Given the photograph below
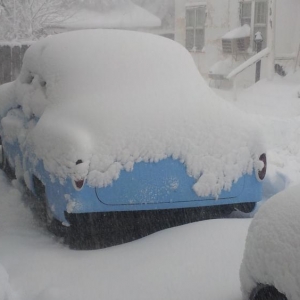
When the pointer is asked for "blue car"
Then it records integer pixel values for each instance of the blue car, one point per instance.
(115, 128)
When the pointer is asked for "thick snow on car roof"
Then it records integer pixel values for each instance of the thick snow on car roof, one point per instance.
(114, 98)
(272, 253)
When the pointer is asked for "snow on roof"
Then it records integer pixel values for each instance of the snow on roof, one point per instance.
(193, 4)
(272, 252)
(238, 33)
(114, 98)
(18, 43)
(129, 16)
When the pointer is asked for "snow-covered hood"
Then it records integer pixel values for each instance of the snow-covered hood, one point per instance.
(131, 97)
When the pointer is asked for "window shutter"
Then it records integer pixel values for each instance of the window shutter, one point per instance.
(189, 39)
(245, 11)
(195, 27)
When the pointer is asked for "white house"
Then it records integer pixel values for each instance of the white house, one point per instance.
(212, 30)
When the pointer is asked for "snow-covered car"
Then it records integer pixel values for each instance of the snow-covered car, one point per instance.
(108, 125)
(271, 265)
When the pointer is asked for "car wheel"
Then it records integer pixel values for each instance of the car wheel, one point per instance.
(245, 207)
(266, 292)
(1, 155)
(5, 166)
(43, 210)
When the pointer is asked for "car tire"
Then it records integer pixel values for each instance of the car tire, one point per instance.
(245, 207)
(5, 166)
(266, 292)
(43, 211)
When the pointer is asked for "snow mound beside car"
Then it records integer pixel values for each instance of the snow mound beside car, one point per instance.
(272, 253)
(114, 98)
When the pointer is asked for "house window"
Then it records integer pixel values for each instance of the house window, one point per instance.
(195, 28)
(246, 13)
(258, 21)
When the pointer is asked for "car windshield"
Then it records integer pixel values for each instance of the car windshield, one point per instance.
(149, 149)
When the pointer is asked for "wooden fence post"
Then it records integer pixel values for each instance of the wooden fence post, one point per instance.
(16, 62)
(11, 57)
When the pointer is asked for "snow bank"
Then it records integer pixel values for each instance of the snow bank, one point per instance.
(178, 263)
(275, 107)
(114, 98)
(272, 254)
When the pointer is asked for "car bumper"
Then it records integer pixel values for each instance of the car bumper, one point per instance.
(100, 230)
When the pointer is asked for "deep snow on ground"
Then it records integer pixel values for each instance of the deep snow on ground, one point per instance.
(195, 261)
(275, 106)
(188, 262)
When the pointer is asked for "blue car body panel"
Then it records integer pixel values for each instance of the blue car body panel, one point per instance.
(164, 182)
(149, 186)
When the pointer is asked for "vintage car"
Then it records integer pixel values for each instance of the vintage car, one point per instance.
(115, 127)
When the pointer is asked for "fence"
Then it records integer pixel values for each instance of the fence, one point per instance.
(11, 56)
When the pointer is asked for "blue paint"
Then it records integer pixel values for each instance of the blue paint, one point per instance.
(164, 182)
(150, 186)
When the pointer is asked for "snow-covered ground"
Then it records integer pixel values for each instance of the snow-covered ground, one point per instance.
(195, 261)
(275, 105)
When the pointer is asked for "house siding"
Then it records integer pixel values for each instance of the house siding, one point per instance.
(287, 26)
(223, 16)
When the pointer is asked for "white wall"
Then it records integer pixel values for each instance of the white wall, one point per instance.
(223, 16)
(287, 26)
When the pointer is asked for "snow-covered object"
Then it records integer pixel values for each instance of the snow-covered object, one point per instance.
(258, 37)
(114, 98)
(272, 254)
(252, 60)
(238, 33)
(222, 67)
(126, 16)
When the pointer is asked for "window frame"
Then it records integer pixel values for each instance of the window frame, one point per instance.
(243, 17)
(257, 23)
(196, 25)
(261, 26)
